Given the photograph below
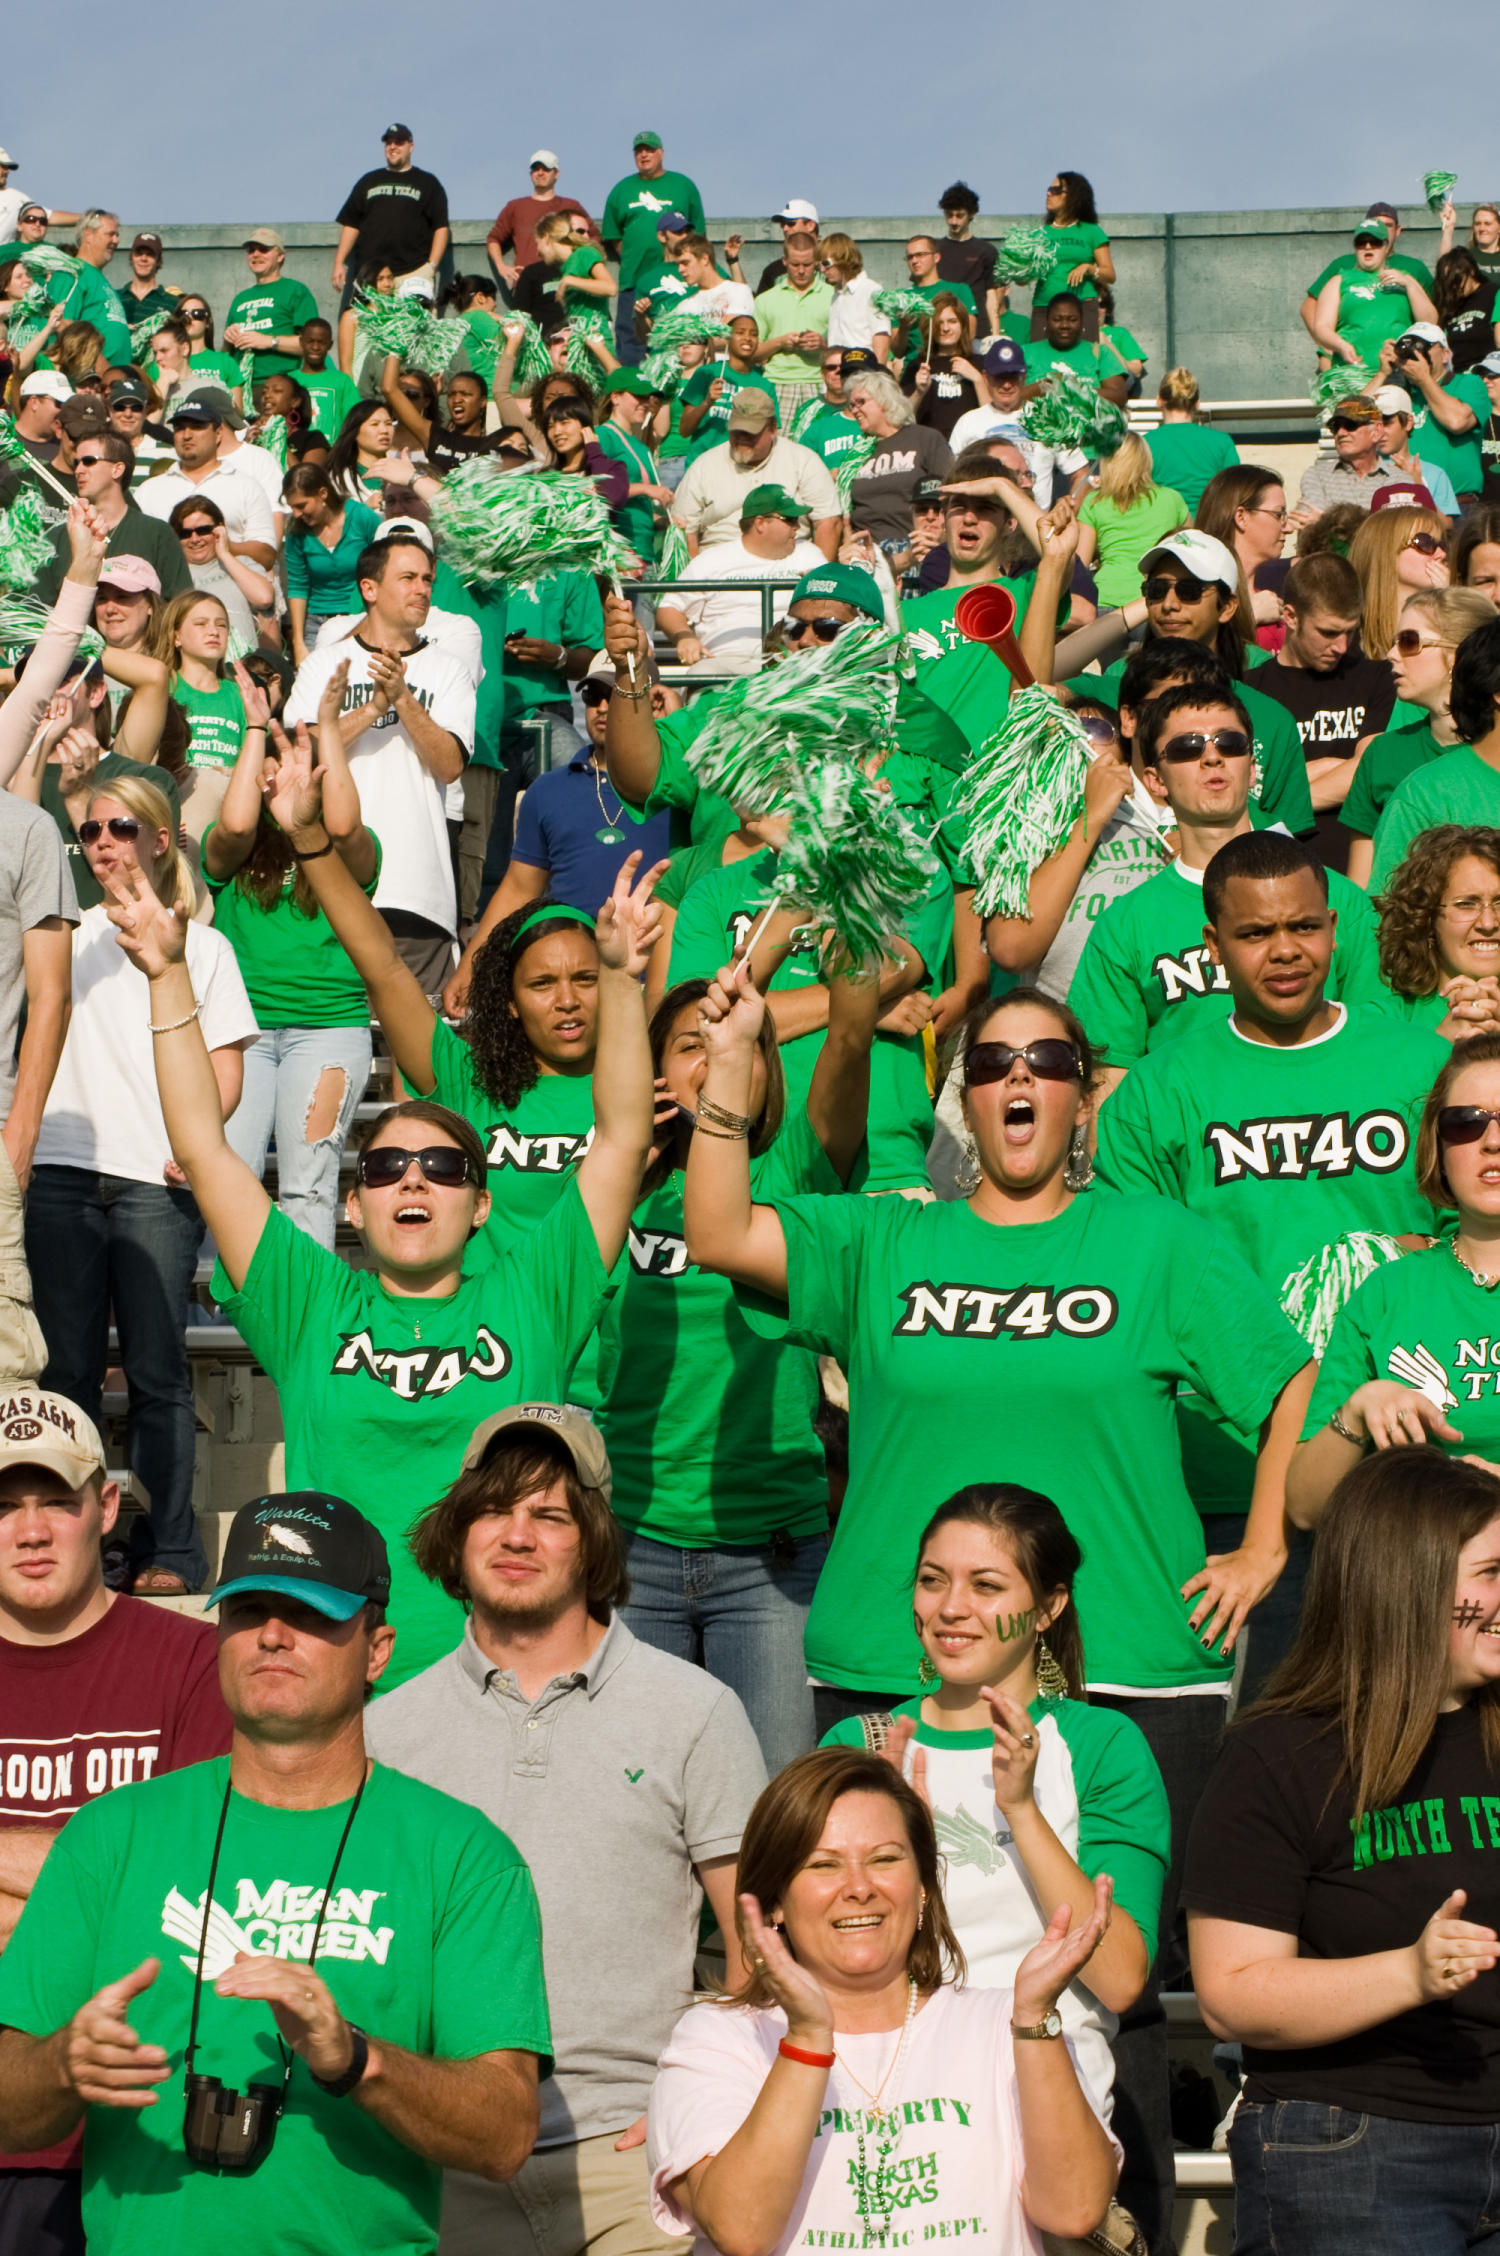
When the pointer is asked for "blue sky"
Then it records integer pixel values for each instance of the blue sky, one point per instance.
(270, 112)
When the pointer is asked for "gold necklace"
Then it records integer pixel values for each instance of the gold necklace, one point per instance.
(1486, 1284)
(874, 2096)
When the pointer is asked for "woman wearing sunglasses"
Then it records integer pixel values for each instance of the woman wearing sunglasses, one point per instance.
(1464, 785)
(110, 1222)
(217, 571)
(384, 1372)
(1395, 552)
(1431, 625)
(208, 365)
(1398, 1369)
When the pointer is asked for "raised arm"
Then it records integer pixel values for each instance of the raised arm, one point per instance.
(838, 1096)
(1056, 536)
(400, 406)
(232, 838)
(1018, 943)
(23, 710)
(724, 1228)
(150, 683)
(609, 1176)
(632, 749)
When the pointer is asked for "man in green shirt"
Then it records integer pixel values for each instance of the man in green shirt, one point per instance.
(283, 1987)
(632, 211)
(792, 317)
(86, 296)
(1062, 342)
(1463, 786)
(922, 264)
(267, 317)
(708, 394)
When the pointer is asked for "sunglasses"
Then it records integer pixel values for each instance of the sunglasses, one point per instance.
(1409, 642)
(385, 1164)
(197, 532)
(1233, 743)
(87, 461)
(825, 629)
(1051, 1059)
(1189, 590)
(1426, 544)
(127, 407)
(1464, 1124)
(1097, 729)
(194, 313)
(118, 826)
(1352, 422)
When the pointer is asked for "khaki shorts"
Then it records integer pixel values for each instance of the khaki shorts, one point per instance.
(23, 1351)
(565, 2200)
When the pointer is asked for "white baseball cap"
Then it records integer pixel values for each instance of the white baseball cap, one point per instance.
(1199, 553)
(1391, 400)
(47, 383)
(797, 207)
(406, 528)
(8, 161)
(1428, 331)
(547, 157)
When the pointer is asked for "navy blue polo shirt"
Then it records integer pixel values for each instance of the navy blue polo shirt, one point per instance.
(571, 825)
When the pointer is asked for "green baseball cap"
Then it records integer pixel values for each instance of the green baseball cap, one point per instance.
(646, 141)
(627, 380)
(771, 501)
(1372, 230)
(842, 583)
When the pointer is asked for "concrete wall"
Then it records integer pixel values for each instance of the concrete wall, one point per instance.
(1215, 291)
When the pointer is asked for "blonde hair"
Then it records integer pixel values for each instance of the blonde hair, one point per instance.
(170, 876)
(1178, 389)
(1375, 553)
(1126, 477)
(843, 252)
(1454, 611)
(161, 642)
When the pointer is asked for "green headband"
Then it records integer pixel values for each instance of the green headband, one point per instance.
(553, 912)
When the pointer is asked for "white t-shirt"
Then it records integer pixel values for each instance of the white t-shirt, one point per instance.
(260, 463)
(981, 423)
(955, 2173)
(450, 631)
(238, 493)
(400, 799)
(1128, 850)
(727, 625)
(722, 302)
(854, 318)
(103, 1111)
(13, 202)
(711, 498)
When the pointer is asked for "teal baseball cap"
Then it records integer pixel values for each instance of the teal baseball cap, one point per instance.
(309, 1546)
(842, 583)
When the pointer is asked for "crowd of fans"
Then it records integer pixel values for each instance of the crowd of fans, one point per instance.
(908, 1494)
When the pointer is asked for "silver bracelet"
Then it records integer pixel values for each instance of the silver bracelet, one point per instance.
(176, 1022)
(1337, 1423)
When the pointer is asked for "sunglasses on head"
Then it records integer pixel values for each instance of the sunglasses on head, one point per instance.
(1189, 589)
(1051, 1059)
(1192, 744)
(383, 1165)
(1464, 1124)
(118, 826)
(1426, 544)
(825, 629)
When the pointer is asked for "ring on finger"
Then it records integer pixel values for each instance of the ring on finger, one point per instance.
(1028, 1738)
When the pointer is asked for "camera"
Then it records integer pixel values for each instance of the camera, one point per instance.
(1410, 348)
(230, 2131)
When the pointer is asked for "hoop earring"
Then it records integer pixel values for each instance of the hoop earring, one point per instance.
(969, 1174)
(1078, 1171)
(1050, 1681)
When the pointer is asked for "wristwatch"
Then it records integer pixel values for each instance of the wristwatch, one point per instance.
(341, 2086)
(1050, 2025)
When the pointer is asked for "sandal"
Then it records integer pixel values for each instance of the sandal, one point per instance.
(158, 1582)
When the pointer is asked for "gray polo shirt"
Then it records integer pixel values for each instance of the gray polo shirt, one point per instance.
(34, 885)
(613, 1783)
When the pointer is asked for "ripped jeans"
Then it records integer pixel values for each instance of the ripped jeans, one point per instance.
(284, 1097)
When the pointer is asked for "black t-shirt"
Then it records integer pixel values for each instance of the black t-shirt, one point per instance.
(1471, 331)
(535, 293)
(971, 262)
(945, 399)
(1333, 710)
(1271, 1847)
(770, 274)
(397, 214)
(447, 449)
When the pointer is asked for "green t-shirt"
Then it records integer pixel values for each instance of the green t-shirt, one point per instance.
(714, 427)
(1282, 794)
(532, 1147)
(1346, 263)
(1116, 346)
(1456, 787)
(717, 915)
(1393, 756)
(564, 609)
(636, 517)
(216, 722)
(965, 679)
(829, 435)
(223, 367)
(1424, 1322)
(432, 1941)
(633, 211)
(489, 608)
(1186, 455)
(959, 290)
(1463, 456)
(1075, 245)
(1126, 535)
(1145, 977)
(1371, 312)
(279, 309)
(1068, 1339)
(332, 394)
(295, 970)
(582, 261)
(380, 1392)
(709, 1425)
(87, 296)
(1042, 358)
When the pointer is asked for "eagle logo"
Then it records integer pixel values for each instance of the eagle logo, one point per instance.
(1422, 1370)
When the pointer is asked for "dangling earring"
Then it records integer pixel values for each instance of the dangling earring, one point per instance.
(969, 1174)
(921, 1911)
(1078, 1173)
(1050, 1681)
(927, 1674)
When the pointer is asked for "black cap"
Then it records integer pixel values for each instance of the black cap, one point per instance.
(308, 1546)
(857, 356)
(129, 388)
(925, 491)
(397, 133)
(194, 409)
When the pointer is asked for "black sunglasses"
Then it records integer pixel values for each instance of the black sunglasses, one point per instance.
(825, 629)
(192, 532)
(1193, 743)
(1189, 589)
(194, 313)
(119, 826)
(87, 461)
(1464, 1124)
(385, 1164)
(1351, 422)
(1051, 1059)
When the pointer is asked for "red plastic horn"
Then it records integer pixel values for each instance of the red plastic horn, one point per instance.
(988, 615)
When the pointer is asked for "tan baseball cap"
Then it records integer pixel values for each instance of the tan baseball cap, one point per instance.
(751, 409)
(572, 1428)
(37, 1428)
(264, 239)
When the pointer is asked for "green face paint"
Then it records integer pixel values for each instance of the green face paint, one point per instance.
(1008, 1627)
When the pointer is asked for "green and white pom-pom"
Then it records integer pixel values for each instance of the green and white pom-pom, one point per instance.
(515, 528)
(247, 382)
(850, 465)
(661, 368)
(672, 558)
(837, 699)
(424, 340)
(1020, 797)
(533, 362)
(1312, 1296)
(26, 531)
(805, 415)
(852, 860)
(22, 621)
(142, 332)
(1073, 412)
(1437, 187)
(902, 305)
(1342, 381)
(1025, 255)
(586, 322)
(272, 436)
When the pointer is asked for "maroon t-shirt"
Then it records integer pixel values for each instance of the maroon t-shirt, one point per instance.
(518, 223)
(136, 1694)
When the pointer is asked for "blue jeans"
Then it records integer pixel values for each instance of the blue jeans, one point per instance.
(282, 1073)
(739, 1614)
(1315, 2180)
(96, 1242)
(629, 350)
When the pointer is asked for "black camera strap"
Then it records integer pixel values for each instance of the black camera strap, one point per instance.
(208, 1904)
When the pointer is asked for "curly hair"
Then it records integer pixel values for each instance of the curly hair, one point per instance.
(1409, 959)
(504, 1062)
